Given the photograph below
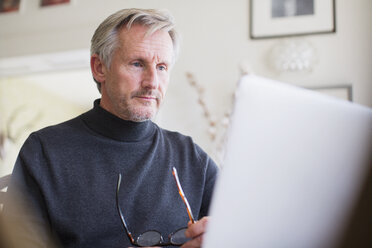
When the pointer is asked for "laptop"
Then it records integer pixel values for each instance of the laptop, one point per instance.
(297, 171)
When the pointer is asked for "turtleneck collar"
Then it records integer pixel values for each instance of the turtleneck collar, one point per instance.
(111, 126)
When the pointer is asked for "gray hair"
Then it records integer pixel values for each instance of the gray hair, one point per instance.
(105, 39)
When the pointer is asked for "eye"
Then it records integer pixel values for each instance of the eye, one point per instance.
(137, 64)
(162, 67)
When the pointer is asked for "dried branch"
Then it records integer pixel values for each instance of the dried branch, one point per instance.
(214, 127)
(212, 130)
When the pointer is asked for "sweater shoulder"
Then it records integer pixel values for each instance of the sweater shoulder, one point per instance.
(62, 127)
(177, 139)
(57, 134)
(174, 135)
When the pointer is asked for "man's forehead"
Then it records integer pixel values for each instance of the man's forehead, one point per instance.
(138, 40)
(141, 33)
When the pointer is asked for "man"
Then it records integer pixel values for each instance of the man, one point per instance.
(68, 174)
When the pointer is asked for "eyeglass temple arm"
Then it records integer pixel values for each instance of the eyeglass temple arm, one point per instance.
(180, 191)
(120, 213)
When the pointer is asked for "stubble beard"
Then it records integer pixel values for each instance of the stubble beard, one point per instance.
(137, 111)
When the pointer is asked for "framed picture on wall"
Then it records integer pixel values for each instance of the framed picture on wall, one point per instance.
(283, 18)
(53, 2)
(344, 92)
(7, 6)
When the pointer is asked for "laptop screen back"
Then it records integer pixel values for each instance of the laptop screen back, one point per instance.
(296, 163)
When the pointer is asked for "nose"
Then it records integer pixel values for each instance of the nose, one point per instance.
(150, 78)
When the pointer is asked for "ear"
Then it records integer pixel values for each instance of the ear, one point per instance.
(98, 68)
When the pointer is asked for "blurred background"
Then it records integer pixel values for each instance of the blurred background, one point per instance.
(44, 59)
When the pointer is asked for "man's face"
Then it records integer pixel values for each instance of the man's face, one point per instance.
(134, 86)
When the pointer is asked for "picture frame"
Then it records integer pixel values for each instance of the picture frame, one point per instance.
(10, 6)
(45, 3)
(344, 92)
(285, 18)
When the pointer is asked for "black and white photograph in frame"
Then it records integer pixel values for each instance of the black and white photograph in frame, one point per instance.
(282, 18)
(286, 8)
(342, 91)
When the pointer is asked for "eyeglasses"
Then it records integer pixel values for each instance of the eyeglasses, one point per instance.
(153, 237)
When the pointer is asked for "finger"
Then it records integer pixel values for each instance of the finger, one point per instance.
(197, 229)
(194, 243)
(146, 247)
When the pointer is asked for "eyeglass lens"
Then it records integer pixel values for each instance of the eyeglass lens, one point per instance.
(178, 237)
(151, 238)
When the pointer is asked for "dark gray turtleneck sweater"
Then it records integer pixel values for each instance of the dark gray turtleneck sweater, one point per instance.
(68, 174)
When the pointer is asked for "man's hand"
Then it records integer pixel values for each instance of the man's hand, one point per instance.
(196, 231)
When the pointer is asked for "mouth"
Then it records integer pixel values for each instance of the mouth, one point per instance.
(148, 98)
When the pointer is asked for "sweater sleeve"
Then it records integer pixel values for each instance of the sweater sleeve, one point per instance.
(210, 179)
(25, 212)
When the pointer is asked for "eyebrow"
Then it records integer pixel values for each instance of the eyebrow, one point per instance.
(144, 60)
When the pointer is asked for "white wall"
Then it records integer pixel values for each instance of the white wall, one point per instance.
(215, 42)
